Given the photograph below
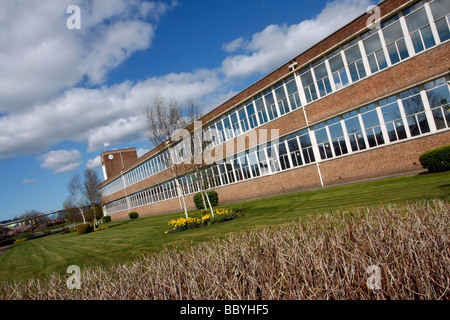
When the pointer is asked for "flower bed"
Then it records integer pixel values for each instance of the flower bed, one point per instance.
(202, 218)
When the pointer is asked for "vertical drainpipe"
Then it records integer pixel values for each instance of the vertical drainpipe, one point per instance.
(125, 190)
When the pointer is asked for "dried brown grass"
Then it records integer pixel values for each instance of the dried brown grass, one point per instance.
(323, 257)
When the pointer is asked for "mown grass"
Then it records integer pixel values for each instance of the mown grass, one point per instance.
(126, 240)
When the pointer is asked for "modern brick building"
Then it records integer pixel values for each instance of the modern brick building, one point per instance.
(363, 103)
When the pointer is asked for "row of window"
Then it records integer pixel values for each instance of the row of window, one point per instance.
(405, 34)
(411, 113)
(146, 169)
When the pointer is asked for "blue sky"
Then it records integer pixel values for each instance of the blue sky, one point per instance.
(64, 93)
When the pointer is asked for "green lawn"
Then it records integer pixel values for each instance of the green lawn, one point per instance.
(125, 240)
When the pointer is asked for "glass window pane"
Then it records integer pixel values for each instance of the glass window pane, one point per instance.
(307, 79)
(427, 37)
(439, 96)
(372, 44)
(416, 20)
(352, 54)
(401, 45)
(336, 63)
(443, 29)
(320, 71)
(417, 42)
(393, 32)
(440, 8)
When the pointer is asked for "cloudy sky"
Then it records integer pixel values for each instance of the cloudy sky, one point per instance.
(64, 92)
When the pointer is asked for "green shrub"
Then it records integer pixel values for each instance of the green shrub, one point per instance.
(84, 228)
(133, 215)
(213, 198)
(436, 160)
(106, 219)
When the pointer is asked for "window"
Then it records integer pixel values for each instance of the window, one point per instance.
(395, 42)
(270, 103)
(272, 157)
(253, 163)
(374, 51)
(244, 165)
(294, 150)
(261, 109)
(339, 74)
(229, 169)
(223, 173)
(372, 125)
(292, 92)
(235, 124)
(337, 136)
(354, 131)
(216, 175)
(441, 10)
(323, 82)
(237, 169)
(354, 61)
(419, 29)
(415, 112)
(243, 119)
(251, 114)
(283, 155)
(281, 98)
(439, 99)
(227, 127)
(306, 145)
(207, 142)
(393, 119)
(308, 86)
(263, 163)
(323, 142)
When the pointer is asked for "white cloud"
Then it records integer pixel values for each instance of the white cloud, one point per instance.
(114, 114)
(124, 129)
(114, 45)
(28, 181)
(94, 163)
(277, 44)
(40, 57)
(234, 45)
(61, 161)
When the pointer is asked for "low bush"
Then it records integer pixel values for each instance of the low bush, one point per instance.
(213, 198)
(106, 219)
(436, 160)
(133, 215)
(84, 228)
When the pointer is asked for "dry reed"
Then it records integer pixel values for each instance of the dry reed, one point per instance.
(325, 256)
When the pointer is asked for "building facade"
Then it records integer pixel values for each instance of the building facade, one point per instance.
(363, 103)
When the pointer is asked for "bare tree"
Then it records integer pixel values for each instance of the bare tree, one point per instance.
(194, 114)
(91, 191)
(71, 211)
(75, 188)
(164, 119)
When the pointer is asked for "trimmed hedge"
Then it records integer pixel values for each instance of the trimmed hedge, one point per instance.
(436, 160)
(106, 219)
(213, 198)
(133, 215)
